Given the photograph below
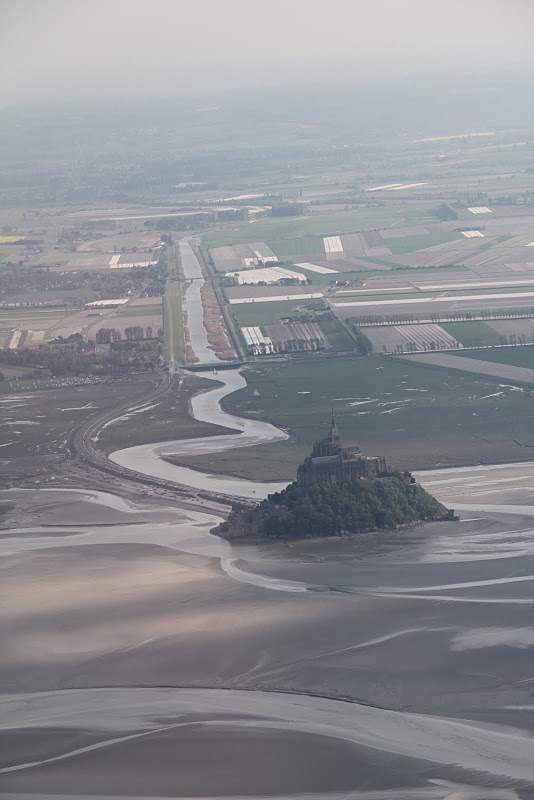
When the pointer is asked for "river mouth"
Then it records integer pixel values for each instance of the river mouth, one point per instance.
(394, 667)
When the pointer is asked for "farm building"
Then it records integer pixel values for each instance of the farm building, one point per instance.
(108, 303)
(242, 256)
(269, 276)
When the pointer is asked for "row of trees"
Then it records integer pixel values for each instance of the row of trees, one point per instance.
(364, 345)
(132, 333)
(441, 344)
(289, 346)
(198, 220)
(453, 316)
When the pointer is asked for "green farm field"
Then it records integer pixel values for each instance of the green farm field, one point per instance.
(471, 333)
(311, 245)
(261, 315)
(337, 335)
(416, 415)
(250, 314)
(140, 311)
(52, 257)
(515, 356)
(368, 218)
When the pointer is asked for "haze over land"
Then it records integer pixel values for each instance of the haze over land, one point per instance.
(219, 221)
(59, 51)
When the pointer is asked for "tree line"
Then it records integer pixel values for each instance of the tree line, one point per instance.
(75, 357)
(364, 345)
(453, 316)
(132, 333)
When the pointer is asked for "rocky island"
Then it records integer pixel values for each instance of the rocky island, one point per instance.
(338, 491)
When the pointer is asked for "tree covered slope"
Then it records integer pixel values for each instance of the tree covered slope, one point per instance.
(323, 510)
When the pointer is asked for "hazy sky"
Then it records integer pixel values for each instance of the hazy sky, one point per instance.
(62, 50)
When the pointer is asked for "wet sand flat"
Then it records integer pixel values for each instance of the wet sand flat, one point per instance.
(208, 761)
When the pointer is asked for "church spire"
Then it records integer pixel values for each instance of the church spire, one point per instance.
(334, 433)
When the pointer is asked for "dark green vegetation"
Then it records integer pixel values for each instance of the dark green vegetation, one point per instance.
(247, 314)
(283, 248)
(131, 333)
(445, 212)
(364, 345)
(148, 310)
(519, 356)
(192, 222)
(337, 335)
(75, 357)
(472, 334)
(524, 312)
(417, 416)
(364, 505)
(84, 285)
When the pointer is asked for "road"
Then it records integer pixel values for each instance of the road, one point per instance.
(173, 320)
(478, 366)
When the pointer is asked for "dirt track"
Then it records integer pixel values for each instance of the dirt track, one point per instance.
(504, 371)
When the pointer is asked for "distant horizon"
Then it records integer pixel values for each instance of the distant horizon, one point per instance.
(344, 111)
(55, 51)
(492, 78)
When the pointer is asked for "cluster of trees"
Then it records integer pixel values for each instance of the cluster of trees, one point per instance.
(364, 345)
(132, 333)
(147, 281)
(485, 199)
(323, 510)
(514, 339)
(288, 209)
(199, 220)
(445, 212)
(77, 358)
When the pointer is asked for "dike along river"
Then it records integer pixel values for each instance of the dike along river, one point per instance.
(146, 658)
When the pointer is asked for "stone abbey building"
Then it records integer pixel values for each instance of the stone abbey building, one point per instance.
(331, 463)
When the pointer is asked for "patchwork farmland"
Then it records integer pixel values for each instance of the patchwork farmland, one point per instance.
(242, 256)
(497, 242)
(411, 338)
(431, 274)
(32, 327)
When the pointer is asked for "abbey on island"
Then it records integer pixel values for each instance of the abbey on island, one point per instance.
(330, 462)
